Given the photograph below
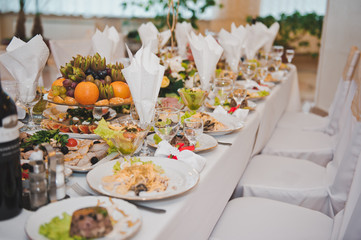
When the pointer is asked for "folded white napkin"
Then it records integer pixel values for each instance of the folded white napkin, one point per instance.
(109, 44)
(64, 50)
(188, 157)
(182, 30)
(271, 34)
(206, 52)
(150, 35)
(232, 48)
(26, 61)
(240, 33)
(144, 76)
(255, 39)
(240, 114)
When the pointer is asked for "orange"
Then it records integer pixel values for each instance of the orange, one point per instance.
(86, 93)
(58, 82)
(121, 89)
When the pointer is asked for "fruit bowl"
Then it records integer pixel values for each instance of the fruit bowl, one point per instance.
(193, 98)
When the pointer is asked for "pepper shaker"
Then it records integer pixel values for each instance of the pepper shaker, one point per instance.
(38, 184)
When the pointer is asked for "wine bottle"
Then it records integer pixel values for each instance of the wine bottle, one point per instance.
(10, 169)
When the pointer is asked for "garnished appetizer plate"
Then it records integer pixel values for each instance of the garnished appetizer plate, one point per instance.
(56, 218)
(205, 142)
(165, 178)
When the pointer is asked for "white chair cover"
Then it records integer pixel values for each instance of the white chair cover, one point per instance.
(302, 182)
(259, 219)
(312, 122)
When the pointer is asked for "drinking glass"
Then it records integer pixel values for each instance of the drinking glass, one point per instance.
(167, 122)
(277, 51)
(193, 129)
(222, 88)
(290, 53)
(239, 93)
(130, 136)
(134, 115)
(193, 98)
(248, 69)
(263, 72)
(28, 96)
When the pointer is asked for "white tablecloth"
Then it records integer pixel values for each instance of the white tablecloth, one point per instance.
(194, 214)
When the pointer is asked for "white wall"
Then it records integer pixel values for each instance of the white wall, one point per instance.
(341, 30)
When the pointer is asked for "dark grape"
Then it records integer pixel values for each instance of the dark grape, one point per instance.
(67, 82)
(73, 85)
(95, 142)
(102, 74)
(70, 93)
(64, 149)
(89, 71)
(109, 71)
(95, 76)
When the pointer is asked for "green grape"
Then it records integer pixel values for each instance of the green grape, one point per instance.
(63, 96)
(62, 90)
(54, 87)
(56, 92)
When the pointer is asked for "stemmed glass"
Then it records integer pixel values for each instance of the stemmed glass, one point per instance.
(277, 52)
(248, 69)
(134, 115)
(28, 96)
(130, 136)
(193, 129)
(222, 88)
(239, 92)
(193, 98)
(290, 53)
(167, 122)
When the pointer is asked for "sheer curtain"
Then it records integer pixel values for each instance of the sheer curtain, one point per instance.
(276, 7)
(94, 8)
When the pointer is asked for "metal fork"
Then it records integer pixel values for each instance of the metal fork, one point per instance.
(82, 192)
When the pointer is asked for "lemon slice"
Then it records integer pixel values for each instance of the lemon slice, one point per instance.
(165, 82)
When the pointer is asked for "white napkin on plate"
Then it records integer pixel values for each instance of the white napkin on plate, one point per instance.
(240, 114)
(255, 39)
(150, 35)
(182, 30)
(271, 34)
(232, 48)
(144, 76)
(109, 44)
(188, 157)
(26, 61)
(206, 52)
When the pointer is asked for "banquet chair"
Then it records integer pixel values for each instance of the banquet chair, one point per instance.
(315, 146)
(305, 183)
(329, 124)
(259, 218)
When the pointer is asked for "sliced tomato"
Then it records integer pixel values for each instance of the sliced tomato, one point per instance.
(84, 128)
(64, 129)
(72, 142)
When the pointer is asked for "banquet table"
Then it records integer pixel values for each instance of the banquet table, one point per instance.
(193, 214)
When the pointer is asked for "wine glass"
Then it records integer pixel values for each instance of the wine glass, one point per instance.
(239, 92)
(193, 129)
(263, 72)
(222, 88)
(277, 51)
(167, 122)
(28, 95)
(134, 115)
(290, 53)
(248, 69)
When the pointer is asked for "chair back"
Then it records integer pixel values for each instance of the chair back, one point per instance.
(341, 170)
(335, 122)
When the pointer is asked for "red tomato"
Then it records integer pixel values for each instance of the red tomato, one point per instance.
(72, 142)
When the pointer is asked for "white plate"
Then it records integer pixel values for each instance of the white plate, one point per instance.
(182, 178)
(46, 213)
(206, 142)
(61, 108)
(251, 105)
(87, 169)
(232, 124)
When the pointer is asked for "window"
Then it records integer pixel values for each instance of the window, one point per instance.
(277, 7)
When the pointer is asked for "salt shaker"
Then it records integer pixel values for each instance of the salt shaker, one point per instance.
(38, 184)
(60, 177)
